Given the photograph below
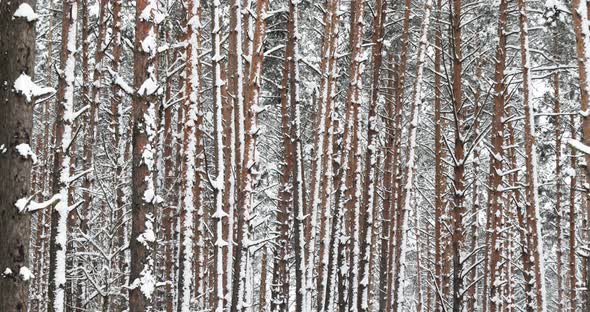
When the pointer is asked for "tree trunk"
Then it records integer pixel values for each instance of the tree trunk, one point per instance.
(17, 51)
(62, 159)
(144, 198)
(532, 209)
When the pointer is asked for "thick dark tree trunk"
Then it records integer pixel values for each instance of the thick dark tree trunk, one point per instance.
(17, 51)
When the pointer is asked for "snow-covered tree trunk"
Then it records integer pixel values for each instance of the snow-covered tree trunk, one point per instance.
(458, 209)
(370, 168)
(558, 201)
(119, 146)
(572, 273)
(247, 151)
(532, 206)
(61, 162)
(520, 217)
(496, 202)
(396, 235)
(17, 54)
(142, 278)
(582, 34)
(217, 183)
(280, 295)
(353, 177)
(415, 109)
(298, 164)
(324, 164)
(189, 188)
(236, 98)
(439, 155)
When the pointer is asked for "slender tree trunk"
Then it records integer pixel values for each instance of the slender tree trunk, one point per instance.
(248, 166)
(458, 209)
(439, 180)
(572, 224)
(61, 161)
(532, 209)
(298, 169)
(408, 179)
(221, 244)
(496, 209)
(370, 160)
(190, 190)
(558, 185)
(395, 234)
(327, 95)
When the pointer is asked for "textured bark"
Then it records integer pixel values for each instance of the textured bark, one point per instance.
(17, 51)
(143, 197)
(572, 224)
(386, 221)
(458, 209)
(61, 160)
(326, 99)
(471, 296)
(558, 185)
(297, 181)
(220, 216)
(190, 189)
(280, 296)
(532, 206)
(439, 179)
(497, 209)
(370, 169)
(248, 165)
(396, 235)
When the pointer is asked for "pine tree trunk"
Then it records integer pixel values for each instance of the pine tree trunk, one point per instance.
(496, 209)
(368, 191)
(572, 224)
(62, 159)
(248, 164)
(144, 198)
(532, 207)
(17, 51)
(458, 209)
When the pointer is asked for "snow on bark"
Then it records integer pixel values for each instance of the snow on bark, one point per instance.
(64, 138)
(323, 158)
(298, 183)
(142, 279)
(368, 190)
(25, 11)
(411, 148)
(353, 180)
(533, 214)
(218, 185)
(189, 188)
(25, 86)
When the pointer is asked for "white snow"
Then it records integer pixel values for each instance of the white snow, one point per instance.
(25, 86)
(25, 151)
(7, 272)
(579, 146)
(26, 11)
(25, 273)
(149, 87)
(148, 44)
(124, 85)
